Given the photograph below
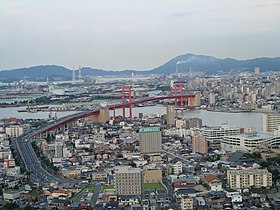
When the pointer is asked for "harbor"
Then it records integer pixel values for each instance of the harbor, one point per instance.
(50, 109)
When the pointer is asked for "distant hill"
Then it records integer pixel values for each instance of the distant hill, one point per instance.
(37, 73)
(200, 63)
(210, 64)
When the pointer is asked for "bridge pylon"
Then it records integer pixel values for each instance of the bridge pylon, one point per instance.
(177, 84)
(127, 90)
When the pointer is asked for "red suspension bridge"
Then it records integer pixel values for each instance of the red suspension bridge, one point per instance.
(183, 99)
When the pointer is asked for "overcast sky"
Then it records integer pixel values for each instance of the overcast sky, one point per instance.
(134, 34)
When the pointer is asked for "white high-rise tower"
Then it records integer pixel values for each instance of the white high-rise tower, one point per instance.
(80, 73)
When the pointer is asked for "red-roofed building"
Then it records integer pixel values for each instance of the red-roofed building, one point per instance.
(57, 193)
(182, 184)
(214, 182)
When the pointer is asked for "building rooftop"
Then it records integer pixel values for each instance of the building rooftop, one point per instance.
(149, 129)
(127, 169)
(248, 171)
(255, 135)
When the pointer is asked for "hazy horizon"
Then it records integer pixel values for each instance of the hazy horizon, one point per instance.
(77, 66)
(137, 35)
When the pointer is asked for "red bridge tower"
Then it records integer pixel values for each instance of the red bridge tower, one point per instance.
(127, 90)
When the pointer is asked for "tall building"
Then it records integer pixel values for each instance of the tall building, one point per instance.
(212, 98)
(257, 70)
(194, 102)
(129, 181)
(170, 115)
(58, 149)
(199, 143)
(102, 116)
(246, 178)
(271, 122)
(150, 141)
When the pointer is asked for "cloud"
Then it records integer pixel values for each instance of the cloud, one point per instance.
(182, 14)
(91, 31)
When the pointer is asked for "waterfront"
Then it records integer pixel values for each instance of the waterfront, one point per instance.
(13, 112)
(245, 119)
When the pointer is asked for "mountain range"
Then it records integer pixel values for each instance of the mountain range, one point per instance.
(201, 63)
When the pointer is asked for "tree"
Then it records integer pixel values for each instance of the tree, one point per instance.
(10, 206)
(265, 164)
(132, 164)
(206, 186)
(28, 207)
(48, 138)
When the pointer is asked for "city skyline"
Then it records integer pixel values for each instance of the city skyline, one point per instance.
(139, 35)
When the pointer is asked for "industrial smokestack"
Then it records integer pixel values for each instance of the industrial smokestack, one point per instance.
(73, 75)
(176, 70)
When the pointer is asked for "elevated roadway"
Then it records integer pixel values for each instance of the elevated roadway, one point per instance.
(32, 163)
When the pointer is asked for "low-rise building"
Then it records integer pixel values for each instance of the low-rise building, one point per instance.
(152, 176)
(100, 175)
(11, 195)
(215, 134)
(13, 171)
(14, 131)
(177, 167)
(214, 182)
(249, 141)
(186, 203)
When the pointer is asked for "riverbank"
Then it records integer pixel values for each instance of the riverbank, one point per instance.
(241, 111)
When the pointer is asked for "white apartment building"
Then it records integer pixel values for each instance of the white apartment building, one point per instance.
(271, 123)
(247, 142)
(177, 167)
(180, 132)
(14, 131)
(186, 203)
(13, 171)
(212, 98)
(180, 123)
(5, 153)
(216, 134)
(246, 178)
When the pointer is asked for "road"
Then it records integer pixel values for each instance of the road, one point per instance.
(32, 164)
(95, 195)
(184, 160)
(30, 160)
(88, 197)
